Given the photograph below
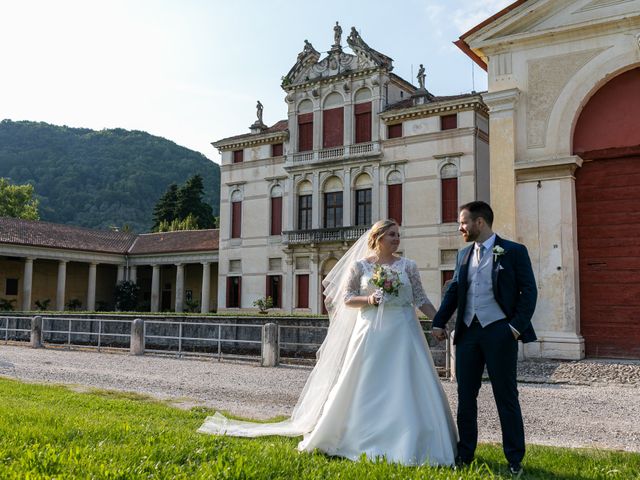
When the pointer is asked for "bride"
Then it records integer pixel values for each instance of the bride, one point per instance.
(374, 389)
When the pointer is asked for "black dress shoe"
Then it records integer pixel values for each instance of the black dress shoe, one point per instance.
(515, 469)
(463, 462)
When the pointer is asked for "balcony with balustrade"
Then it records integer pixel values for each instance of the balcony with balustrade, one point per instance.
(333, 154)
(323, 235)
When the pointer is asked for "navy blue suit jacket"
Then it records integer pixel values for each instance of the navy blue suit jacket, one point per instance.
(514, 288)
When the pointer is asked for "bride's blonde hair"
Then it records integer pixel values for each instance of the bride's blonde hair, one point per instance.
(379, 230)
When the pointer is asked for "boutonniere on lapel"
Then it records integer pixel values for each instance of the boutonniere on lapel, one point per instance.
(497, 251)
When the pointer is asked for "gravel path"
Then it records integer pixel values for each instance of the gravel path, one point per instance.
(563, 406)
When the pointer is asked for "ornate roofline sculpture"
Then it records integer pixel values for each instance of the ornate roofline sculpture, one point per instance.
(309, 67)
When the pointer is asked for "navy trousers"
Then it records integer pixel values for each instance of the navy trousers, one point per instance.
(495, 347)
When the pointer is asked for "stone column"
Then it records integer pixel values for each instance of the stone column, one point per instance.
(287, 289)
(179, 287)
(376, 198)
(502, 151)
(349, 121)
(206, 287)
(91, 287)
(155, 289)
(317, 126)
(347, 200)
(133, 274)
(120, 273)
(27, 284)
(62, 284)
(316, 220)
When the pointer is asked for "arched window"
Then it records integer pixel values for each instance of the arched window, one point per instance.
(363, 202)
(394, 196)
(305, 126)
(449, 192)
(276, 210)
(305, 202)
(332, 195)
(236, 214)
(362, 115)
(333, 121)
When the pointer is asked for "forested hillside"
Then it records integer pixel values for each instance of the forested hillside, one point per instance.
(99, 179)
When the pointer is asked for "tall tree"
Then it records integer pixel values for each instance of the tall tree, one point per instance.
(190, 203)
(17, 201)
(165, 209)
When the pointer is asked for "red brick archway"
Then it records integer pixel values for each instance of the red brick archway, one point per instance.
(607, 137)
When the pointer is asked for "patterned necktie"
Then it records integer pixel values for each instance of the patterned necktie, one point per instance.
(480, 252)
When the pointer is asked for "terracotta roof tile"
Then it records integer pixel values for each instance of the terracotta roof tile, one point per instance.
(180, 241)
(408, 102)
(55, 235)
(281, 126)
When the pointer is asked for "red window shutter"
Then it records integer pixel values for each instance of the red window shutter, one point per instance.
(229, 286)
(276, 150)
(239, 297)
(333, 127)
(303, 291)
(238, 156)
(236, 219)
(363, 122)
(448, 122)
(449, 200)
(305, 132)
(276, 215)
(394, 131)
(394, 200)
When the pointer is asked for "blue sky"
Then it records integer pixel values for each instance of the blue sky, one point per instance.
(192, 70)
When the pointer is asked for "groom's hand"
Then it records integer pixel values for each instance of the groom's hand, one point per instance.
(439, 333)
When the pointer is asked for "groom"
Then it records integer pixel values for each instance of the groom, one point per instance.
(495, 293)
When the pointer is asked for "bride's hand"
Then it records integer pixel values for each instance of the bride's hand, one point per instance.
(373, 299)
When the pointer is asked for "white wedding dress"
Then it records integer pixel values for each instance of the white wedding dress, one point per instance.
(385, 399)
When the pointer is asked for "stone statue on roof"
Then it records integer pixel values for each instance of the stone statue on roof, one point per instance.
(259, 109)
(421, 77)
(337, 35)
(359, 46)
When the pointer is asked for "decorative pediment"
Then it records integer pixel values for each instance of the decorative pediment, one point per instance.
(309, 67)
(538, 18)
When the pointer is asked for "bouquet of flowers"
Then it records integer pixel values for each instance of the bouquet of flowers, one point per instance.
(386, 280)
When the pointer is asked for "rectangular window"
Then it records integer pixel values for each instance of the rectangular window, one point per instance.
(447, 275)
(332, 209)
(363, 207)
(448, 122)
(363, 122)
(276, 150)
(394, 131)
(274, 290)
(234, 292)
(11, 287)
(449, 200)
(394, 202)
(238, 156)
(236, 219)
(276, 215)
(333, 127)
(304, 212)
(303, 291)
(305, 132)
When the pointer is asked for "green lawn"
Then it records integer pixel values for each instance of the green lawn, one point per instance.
(54, 432)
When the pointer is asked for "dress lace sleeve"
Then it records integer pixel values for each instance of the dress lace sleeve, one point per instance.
(419, 296)
(352, 285)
